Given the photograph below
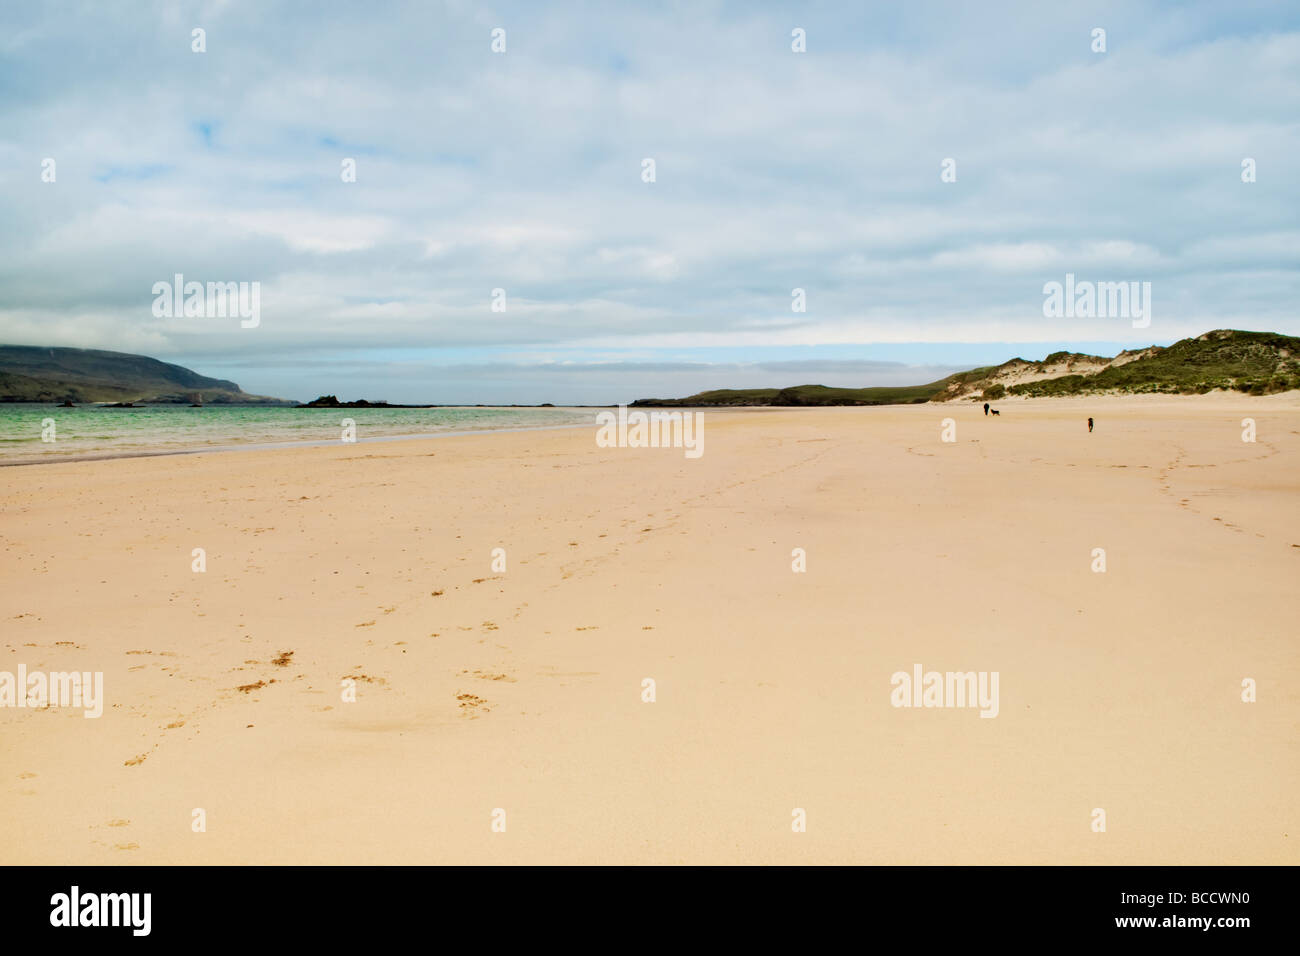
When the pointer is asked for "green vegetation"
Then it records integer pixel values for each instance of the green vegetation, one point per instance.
(802, 395)
(826, 395)
(718, 396)
(820, 394)
(1256, 362)
(33, 374)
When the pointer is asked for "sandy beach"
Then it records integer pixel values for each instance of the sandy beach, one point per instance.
(478, 690)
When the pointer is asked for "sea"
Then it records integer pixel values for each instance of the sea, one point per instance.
(33, 433)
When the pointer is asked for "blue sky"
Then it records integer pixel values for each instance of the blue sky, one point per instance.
(521, 170)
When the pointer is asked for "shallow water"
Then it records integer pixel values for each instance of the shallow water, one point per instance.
(92, 431)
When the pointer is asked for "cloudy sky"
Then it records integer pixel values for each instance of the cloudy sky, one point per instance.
(523, 171)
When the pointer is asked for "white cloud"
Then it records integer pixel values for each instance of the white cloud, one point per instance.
(522, 171)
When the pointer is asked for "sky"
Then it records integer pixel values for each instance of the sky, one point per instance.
(524, 171)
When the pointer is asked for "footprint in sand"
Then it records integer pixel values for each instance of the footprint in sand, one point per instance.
(485, 675)
(471, 705)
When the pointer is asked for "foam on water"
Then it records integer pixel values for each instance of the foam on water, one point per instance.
(91, 431)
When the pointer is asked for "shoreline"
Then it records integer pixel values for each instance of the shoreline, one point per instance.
(275, 446)
(1223, 399)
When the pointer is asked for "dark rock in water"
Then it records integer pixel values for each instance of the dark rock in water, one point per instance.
(331, 401)
(67, 404)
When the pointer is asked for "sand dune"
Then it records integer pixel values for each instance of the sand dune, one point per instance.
(522, 691)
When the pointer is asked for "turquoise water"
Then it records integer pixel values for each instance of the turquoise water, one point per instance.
(91, 431)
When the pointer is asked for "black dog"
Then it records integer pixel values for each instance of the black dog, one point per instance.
(994, 411)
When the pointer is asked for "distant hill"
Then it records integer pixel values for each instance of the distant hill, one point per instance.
(815, 395)
(1259, 363)
(1256, 362)
(36, 374)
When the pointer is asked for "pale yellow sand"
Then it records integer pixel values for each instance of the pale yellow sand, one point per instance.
(1119, 691)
